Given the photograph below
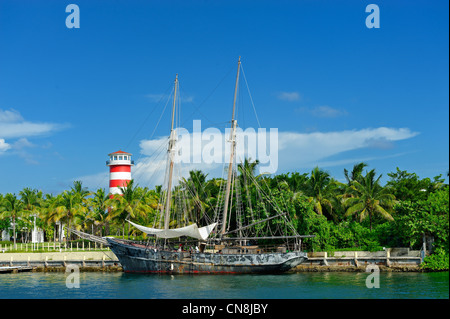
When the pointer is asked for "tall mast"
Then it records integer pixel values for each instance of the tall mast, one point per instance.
(233, 146)
(171, 151)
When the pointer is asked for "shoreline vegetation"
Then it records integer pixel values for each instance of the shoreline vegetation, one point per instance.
(359, 214)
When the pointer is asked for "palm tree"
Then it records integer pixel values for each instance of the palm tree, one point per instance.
(248, 167)
(214, 197)
(99, 208)
(297, 181)
(151, 197)
(356, 173)
(48, 212)
(12, 207)
(247, 172)
(247, 180)
(32, 200)
(129, 204)
(196, 187)
(81, 191)
(68, 206)
(369, 198)
(319, 189)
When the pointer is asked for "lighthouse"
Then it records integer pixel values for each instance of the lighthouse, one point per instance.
(119, 171)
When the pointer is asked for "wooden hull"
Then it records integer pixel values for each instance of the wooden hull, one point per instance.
(138, 259)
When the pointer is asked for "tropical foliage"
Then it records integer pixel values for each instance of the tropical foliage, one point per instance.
(367, 198)
(358, 212)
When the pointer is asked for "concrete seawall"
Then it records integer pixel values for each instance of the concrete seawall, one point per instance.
(392, 259)
(56, 260)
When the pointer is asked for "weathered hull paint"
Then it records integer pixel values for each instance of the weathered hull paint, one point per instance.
(135, 259)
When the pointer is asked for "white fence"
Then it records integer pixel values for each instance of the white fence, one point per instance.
(52, 246)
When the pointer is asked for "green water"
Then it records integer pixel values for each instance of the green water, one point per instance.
(332, 285)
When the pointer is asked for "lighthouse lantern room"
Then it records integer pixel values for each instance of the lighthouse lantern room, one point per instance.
(119, 171)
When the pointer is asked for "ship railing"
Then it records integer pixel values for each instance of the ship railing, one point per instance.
(255, 249)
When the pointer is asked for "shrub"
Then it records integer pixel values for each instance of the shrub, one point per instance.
(438, 261)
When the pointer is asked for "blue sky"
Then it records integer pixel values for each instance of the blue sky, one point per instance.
(337, 91)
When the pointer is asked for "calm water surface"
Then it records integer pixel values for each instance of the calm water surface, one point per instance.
(287, 286)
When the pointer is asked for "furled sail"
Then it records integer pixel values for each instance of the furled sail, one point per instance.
(201, 233)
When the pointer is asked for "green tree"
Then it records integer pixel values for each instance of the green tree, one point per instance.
(69, 207)
(12, 207)
(368, 198)
(129, 204)
(48, 215)
(247, 168)
(196, 186)
(319, 189)
(430, 217)
(32, 200)
(79, 190)
(310, 223)
(99, 208)
(356, 173)
(245, 186)
(408, 186)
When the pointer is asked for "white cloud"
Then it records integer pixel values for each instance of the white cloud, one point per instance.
(20, 148)
(295, 151)
(323, 111)
(4, 146)
(22, 143)
(298, 150)
(149, 172)
(10, 116)
(148, 147)
(14, 127)
(22, 129)
(289, 96)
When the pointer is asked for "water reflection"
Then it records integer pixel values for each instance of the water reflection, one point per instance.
(285, 286)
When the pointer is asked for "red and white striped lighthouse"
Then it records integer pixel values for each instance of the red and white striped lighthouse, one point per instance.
(119, 171)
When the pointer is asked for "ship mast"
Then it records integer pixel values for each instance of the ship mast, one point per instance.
(171, 151)
(233, 147)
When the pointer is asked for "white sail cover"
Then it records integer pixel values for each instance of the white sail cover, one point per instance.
(191, 231)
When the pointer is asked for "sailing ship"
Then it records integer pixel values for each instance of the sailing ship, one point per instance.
(218, 250)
